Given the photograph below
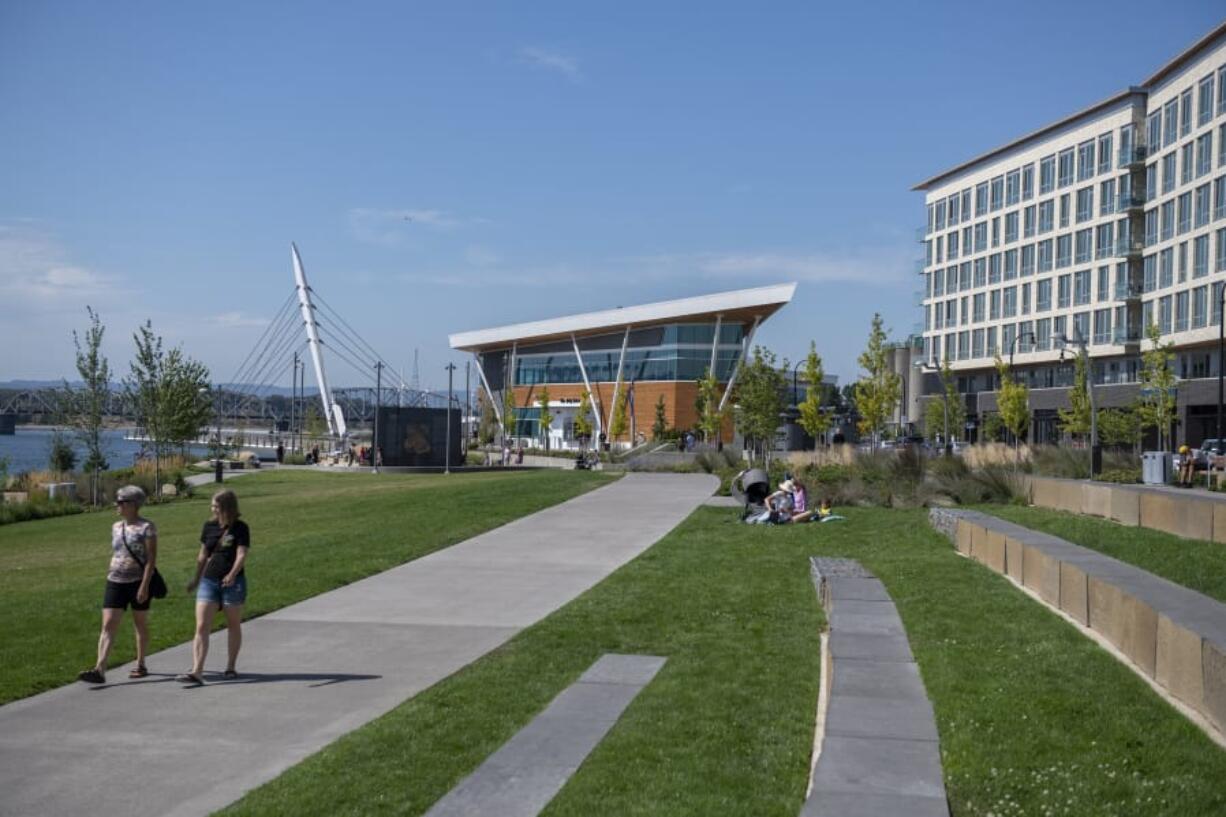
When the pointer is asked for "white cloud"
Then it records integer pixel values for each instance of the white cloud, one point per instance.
(389, 227)
(234, 320)
(36, 270)
(876, 266)
(552, 61)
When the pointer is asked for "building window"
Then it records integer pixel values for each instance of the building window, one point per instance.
(1202, 205)
(1181, 311)
(1170, 122)
(1010, 302)
(977, 343)
(1025, 299)
(981, 236)
(1185, 212)
(978, 308)
(1011, 227)
(951, 245)
(981, 272)
(1027, 182)
(1047, 175)
(1220, 265)
(1200, 256)
(966, 205)
(1168, 172)
(1151, 181)
(1028, 221)
(1047, 216)
(953, 209)
(1106, 198)
(1198, 306)
(1221, 90)
(939, 220)
(1042, 334)
(1164, 315)
(1042, 295)
(1204, 108)
(1064, 292)
(997, 193)
(1085, 161)
(1065, 161)
(994, 305)
(996, 232)
(1186, 152)
(1081, 326)
(1204, 154)
(1149, 276)
(1104, 153)
(1104, 284)
(990, 335)
(1085, 204)
(1064, 250)
(1104, 243)
(964, 275)
(1102, 326)
(994, 268)
(1085, 246)
(1028, 252)
(981, 199)
(1065, 215)
(1045, 255)
(1153, 127)
(1081, 288)
(1151, 228)
(1166, 268)
(1013, 185)
(1010, 264)
(1168, 220)
(1185, 113)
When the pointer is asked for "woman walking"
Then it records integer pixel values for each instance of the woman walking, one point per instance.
(220, 583)
(134, 543)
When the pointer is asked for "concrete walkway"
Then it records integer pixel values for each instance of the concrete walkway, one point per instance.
(318, 669)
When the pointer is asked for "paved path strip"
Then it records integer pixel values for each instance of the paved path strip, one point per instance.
(525, 774)
(1171, 635)
(879, 755)
(321, 668)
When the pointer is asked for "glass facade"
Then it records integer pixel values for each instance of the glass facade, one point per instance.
(673, 352)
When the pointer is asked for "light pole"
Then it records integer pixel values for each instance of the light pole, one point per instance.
(1013, 348)
(374, 441)
(1096, 452)
(1221, 358)
(450, 367)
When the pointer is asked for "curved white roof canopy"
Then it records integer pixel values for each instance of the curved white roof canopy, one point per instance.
(759, 301)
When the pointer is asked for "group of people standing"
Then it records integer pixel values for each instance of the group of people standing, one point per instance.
(220, 583)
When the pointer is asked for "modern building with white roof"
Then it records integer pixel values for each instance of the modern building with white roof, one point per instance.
(1088, 230)
(652, 351)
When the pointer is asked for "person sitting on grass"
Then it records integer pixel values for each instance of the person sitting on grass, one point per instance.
(825, 513)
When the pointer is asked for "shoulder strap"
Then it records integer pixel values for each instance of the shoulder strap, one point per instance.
(124, 530)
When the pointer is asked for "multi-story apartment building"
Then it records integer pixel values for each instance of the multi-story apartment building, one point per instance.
(1090, 228)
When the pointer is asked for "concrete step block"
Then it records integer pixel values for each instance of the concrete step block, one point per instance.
(864, 678)
(866, 717)
(1014, 556)
(1125, 505)
(1179, 662)
(1096, 499)
(1127, 622)
(963, 536)
(1214, 680)
(1041, 573)
(1074, 592)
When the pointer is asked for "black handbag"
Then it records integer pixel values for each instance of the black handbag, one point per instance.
(157, 585)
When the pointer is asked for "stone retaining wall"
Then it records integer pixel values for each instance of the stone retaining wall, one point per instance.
(1193, 515)
(1172, 635)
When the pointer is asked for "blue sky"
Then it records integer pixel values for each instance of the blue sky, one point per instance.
(454, 166)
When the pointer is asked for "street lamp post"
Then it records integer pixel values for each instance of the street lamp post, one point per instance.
(1013, 347)
(447, 463)
(374, 442)
(1221, 356)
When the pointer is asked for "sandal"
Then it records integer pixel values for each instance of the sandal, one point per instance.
(230, 675)
(189, 679)
(91, 676)
(139, 671)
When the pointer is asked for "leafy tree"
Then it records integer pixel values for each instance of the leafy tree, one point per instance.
(659, 428)
(1120, 427)
(759, 397)
(313, 421)
(84, 408)
(1013, 402)
(620, 421)
(878, 391)
(710, 417)
(992, 428)
(546, 419)
(583, 423)
(508, 412)
(934, 411)
(813, 420)
(1157, 401)
(1076, 419)
(168, 391)
(487, 429)
(60, 456)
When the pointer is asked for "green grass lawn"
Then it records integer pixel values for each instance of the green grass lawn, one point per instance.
(1193, 563)
(311, 532)
(1034, 718)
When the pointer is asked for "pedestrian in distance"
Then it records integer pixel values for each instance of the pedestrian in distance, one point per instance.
(220, 584)
(134, 542)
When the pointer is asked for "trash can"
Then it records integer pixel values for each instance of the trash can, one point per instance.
(1156, 467)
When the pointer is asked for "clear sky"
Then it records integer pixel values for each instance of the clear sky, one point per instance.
(454, 166)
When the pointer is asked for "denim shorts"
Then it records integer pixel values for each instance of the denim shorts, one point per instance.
(210, 591)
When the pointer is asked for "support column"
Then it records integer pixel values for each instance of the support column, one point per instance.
(715, 343)
(587, 385)
(617, 381)
(736, 369)
(488, 393)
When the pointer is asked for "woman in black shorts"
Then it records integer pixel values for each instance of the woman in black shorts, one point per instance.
(134, 540)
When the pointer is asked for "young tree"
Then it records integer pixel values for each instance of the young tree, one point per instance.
(813, 420)
(991, 427)
(1119, 427)
(168, 391)
(84, 408)
(934, 411)
(1013, 403)
(508, 412)
(1157, 401)
(313, 421)
(659, 428)
(583, 423)
(759, 398)
(545, 418)
(710, 418)
(620, 420)
(878, 391)
(60, 456)
(1075, 420)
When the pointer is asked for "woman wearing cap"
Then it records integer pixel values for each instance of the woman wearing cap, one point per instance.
(220, 584)
(1187, 466)
(134, 543)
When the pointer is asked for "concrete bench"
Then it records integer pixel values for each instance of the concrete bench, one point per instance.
(527, 772)
(1171, 635)
(879, 753)
(1189, 513)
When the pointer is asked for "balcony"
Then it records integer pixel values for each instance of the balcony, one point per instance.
(1127, 292)
(1126, 336)
(920, 266)
(1128, 248)
(921, 234)
(1136, 156)
(1129, 201)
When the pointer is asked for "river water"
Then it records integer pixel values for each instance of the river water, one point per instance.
(29, 449)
